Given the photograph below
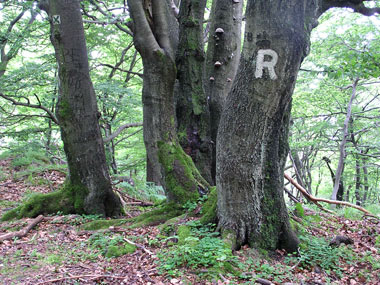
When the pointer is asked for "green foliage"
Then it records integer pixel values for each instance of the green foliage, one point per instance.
(374, 209)
(276, 272)
(300, 212)
(198, 246)
(110, 246)
(316, 252)
(147, 191)
(350, 213)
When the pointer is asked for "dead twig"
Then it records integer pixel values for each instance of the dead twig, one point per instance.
(139, 246)
(316, 200)
(23, 232)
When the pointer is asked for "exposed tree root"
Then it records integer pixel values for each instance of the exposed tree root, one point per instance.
(316, 200)
(22, 232)
(157, 216)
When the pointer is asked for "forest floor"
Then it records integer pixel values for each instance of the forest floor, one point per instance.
(59, 251)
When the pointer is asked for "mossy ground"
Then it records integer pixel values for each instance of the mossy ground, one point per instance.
(68, 200)
(119, 250)
(103, 224)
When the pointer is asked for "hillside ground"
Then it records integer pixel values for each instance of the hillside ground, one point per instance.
(61, 249)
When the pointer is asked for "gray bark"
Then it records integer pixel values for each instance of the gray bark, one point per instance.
(342, 151)
(224, 45)
(168, 164)
(77, 112)
(252, 137)
(192, 110)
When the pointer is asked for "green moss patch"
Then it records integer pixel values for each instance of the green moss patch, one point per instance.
(182, 178)
(102, 224)
(68, 200)
(119, 250)
(209, 214)
(157, 216)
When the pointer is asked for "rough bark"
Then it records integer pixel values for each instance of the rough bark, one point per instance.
(167, 162)
(252, 137)
(77, 113)
(224, 44)
(192, 110)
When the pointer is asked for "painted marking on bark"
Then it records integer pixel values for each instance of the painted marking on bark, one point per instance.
(261, 64)
(56, 19)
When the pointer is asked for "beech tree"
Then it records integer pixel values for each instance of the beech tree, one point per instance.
(252, 138)
(88, 187)
(156, 38)
(78, 114)
(253, 134)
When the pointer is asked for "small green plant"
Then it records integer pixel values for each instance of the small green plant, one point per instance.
(190, 206)
(110, 246)
(197, 247)
(317, 252)
(2, 175)
(54, 259)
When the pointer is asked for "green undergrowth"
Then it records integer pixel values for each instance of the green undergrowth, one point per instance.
(146, 191)
(315, 253)
(110, 245)
(30, 161)
(198, 247)
(68, 200)
(33, 170)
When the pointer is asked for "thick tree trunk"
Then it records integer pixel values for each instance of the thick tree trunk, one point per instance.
(224, 43)
(192, 110)
(169, 165)
(77, 113)
(252, 138)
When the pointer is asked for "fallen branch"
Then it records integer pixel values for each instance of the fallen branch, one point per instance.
(139, 246)
(316, 200)
(23, 232)
(263, 281)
